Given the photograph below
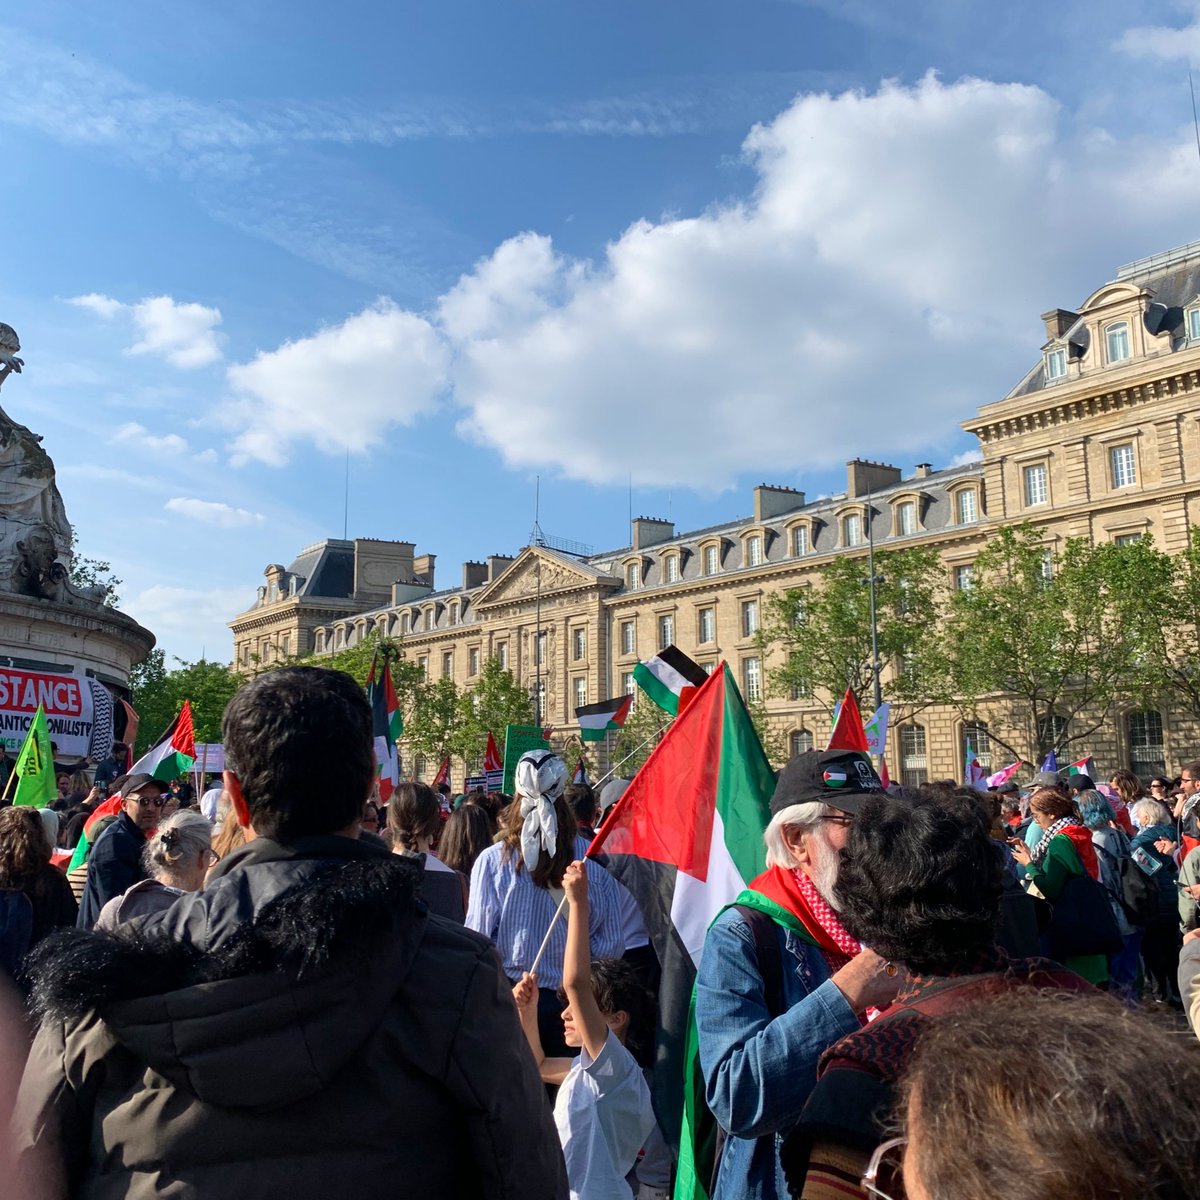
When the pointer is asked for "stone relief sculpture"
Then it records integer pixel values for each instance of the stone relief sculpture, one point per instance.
(35, 537)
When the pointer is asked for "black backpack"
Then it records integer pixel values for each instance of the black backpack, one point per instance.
(1137, 893)
(16, 930)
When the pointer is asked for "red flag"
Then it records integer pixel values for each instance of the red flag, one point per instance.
(848, 731)
(491, 758)
(443, 775)
(883, 774)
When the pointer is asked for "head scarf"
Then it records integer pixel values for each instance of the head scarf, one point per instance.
(539, 780)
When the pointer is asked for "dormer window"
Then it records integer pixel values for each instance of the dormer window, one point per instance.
(906, 518)
(671, 568)
(1193, 323)
(633, 575)
(754, 550)
(712, 559)
(852, 529)
(1116, 342)
(1056, 365)
(801, 543)
(966, 506)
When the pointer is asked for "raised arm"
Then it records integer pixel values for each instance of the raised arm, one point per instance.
(577, 964)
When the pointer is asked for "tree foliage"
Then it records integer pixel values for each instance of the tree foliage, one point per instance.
(643, 730)
(93, 572)
(496, 701)
(824, 631)
(1056, 638)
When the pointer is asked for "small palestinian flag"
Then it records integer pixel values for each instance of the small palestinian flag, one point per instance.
(1085, 766)
(493, 764)
(387, 724)
(670, 679)
(174, 754)
(595, 720)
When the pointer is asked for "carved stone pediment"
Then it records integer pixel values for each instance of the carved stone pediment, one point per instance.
(520, 581)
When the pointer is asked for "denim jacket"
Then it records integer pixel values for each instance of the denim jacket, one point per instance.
(758, 1072)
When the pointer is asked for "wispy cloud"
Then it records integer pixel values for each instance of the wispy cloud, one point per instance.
(138, 436)
(213, 512)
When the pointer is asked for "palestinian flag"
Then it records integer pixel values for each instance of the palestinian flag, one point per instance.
(106, 808)
(443, 775)
(848, 732)
(34, 768)
(595, 720)
(387, 724)
(174, 754)
(670, 679)
(493, 764)
(685, 838)
(1085, 766)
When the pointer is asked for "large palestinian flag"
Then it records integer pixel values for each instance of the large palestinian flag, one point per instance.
(595, 720)
(174, 754)
(387, 724)
(670, 679)
(686, 839)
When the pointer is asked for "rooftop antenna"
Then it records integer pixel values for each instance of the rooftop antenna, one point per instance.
(346, 500)
(537, 539)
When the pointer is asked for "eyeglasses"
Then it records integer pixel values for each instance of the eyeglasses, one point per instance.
(885, 1168)
(213, 857)
(837, 818)
(149, 801)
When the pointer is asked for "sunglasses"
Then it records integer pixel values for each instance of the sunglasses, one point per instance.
(883, 1178)
(148, 801)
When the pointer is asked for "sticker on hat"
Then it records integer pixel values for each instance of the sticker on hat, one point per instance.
(835, 779)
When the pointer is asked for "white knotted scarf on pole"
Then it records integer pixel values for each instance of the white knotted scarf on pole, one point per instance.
(539, 780)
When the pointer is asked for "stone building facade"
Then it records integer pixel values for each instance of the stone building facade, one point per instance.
(1101, 439)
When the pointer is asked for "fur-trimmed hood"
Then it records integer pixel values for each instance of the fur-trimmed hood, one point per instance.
(269, 1011)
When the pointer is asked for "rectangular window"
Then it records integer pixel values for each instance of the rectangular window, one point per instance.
(447, 665)
(707, 667)
(666, 631)
(502, 655)
(628, 686)
(423, 666)
(633, 575)
(578, 644)
(752, 679)
(964, 577)
(473, 661)
(906, 519)
(453, 614)
(914, 761)
(754, 551)
(628, 637)
(1194, 324)
(749, 618)
(710, 560)
(1147, 754)
(968, 510)
(1127, 539)
(405, 621)
(1056, 364)
(580, 686)
(801, 742)
(852, 527)
(707, 629)
(287, 644)
(1124, 466)
(539, 649)
(977, 739)
(672, 568)
(800, 540)
(1035, 484)
(1116, 338)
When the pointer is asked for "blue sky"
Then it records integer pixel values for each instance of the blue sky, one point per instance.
(696, 245)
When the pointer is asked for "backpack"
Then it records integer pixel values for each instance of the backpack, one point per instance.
(16, 929)
(1139, 893)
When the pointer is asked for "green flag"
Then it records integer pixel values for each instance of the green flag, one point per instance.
(35, 765)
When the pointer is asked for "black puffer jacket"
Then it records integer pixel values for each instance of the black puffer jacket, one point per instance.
(302, 1028)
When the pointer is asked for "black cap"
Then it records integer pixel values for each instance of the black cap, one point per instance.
(1080, 782)
(124, 784)
(841, 778)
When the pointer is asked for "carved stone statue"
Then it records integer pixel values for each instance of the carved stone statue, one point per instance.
(35, 536)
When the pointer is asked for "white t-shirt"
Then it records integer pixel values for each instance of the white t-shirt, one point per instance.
(604, 1117)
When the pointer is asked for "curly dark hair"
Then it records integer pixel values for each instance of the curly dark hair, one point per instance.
(299, 740)
(24, 847)
(617, 988)
(920, 879)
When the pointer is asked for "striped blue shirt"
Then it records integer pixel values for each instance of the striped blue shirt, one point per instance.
(515, 913)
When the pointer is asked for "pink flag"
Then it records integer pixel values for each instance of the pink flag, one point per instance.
(1002, 776)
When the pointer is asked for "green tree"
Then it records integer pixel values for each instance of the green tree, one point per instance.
(93, 572)
(823, 632)
(432, 726)
(497, 700)
(643, 730)
(1054, 640)
(158, 695)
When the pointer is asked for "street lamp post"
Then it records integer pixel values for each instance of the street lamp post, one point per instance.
(871, 581)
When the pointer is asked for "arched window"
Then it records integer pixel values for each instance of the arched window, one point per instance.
(801, 742)
(1052, 730)
(419, 767)
(914, 758)
(1147, 754)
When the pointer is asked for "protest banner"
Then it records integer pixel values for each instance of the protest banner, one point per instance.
(518, 739)
(78, 711)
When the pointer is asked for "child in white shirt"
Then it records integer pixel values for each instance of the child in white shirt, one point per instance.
(603, 1111)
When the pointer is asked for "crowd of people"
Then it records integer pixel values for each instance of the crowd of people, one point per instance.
(285, 984)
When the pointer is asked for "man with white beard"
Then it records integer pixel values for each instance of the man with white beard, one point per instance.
(780, 979)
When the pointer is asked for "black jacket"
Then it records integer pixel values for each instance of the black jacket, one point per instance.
(302, 1028)
(114, 864)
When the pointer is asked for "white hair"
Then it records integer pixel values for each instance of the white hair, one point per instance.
(178, 841)
(1148, 811)
(796, 816)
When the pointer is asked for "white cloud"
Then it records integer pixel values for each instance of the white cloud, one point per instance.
(885, 274)
(182, 333)
(967, 456)
(340, 388)
(196, 616)
(213, 512)
(133, 434)
(1164, 43)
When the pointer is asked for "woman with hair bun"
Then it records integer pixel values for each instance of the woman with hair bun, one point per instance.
(176, 858)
